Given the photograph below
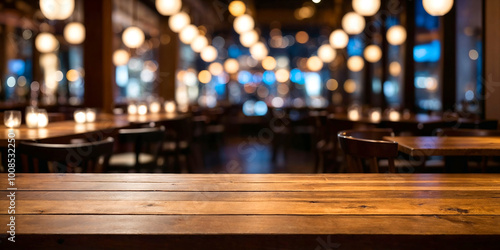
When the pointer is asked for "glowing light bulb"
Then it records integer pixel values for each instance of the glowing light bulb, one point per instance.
(339, 39)
(74, 33)
(353, 23)
(168, 7)
(133, 37)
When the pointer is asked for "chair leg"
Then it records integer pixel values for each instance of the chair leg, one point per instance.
(392, 168)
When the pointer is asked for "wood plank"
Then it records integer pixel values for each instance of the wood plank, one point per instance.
(257, 178)
(246, 196)
(207, 206)
(263, 224)
(255, 187)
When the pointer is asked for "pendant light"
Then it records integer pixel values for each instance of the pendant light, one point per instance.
(133, 37)
(57, 9)
(74, 32)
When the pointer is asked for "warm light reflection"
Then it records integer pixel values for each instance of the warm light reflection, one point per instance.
(179, 21)
(355, 63)
(353, 23)
(243, 23)
(133, 37)
(327, 53)
(339, 39)
(204, 76)
(237, 8)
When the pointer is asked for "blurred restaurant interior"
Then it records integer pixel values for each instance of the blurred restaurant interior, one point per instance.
(247, 86)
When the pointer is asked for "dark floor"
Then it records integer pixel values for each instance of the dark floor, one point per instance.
(249, 155)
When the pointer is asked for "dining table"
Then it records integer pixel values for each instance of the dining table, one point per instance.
(447, 145)
(253, 211)
(455, 149)
(105, 125)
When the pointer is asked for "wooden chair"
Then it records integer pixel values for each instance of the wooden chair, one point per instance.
(367, 144)
(178, 140)
(482, 162)
(147, 144)
(67, 156)
(327, 149)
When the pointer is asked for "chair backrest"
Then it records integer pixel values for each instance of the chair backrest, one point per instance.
(368, 144)
(144, 140)
(84, 155)
(468, 132)
(178, 129)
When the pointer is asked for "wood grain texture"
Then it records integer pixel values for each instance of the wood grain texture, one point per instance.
(282, 211)
(447, 145)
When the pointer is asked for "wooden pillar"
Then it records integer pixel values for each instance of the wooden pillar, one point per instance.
(3, 61)
(409, 63)
(168, 59)
(368, 71)
(385, 57)
(449, 69)
(491, 54)
(97, 55)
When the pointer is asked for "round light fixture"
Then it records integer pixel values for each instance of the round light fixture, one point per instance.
(326, 53)
(168, 7)
(204, 76)
(355, 63)
(259, 51)
(372, 53)
(437, 7)
(215, 68)
(133, 37)
(339, 39)
(269, 63)
(74, 33)
(282, 75)
(237, 8)
(249, 38)
(396, 35)
(314, 63)
(243, 23)
(209, 54)
(199, 43)
(188, 34)
(353, 23)
(179, 21)
(46, 43)
(366, 7)
(231, 66)
(394, 69)
(120, 57)
(57, 9)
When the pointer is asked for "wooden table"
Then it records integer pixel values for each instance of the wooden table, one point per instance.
(447, 145)
(279, 211)
(105, 124)
(144, 119)
(61, 130)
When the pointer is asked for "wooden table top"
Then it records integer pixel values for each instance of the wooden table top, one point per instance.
(142, 119)
(105, 122)
(287, 211)
(60, 129)
(418, 118)
(447, 145)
